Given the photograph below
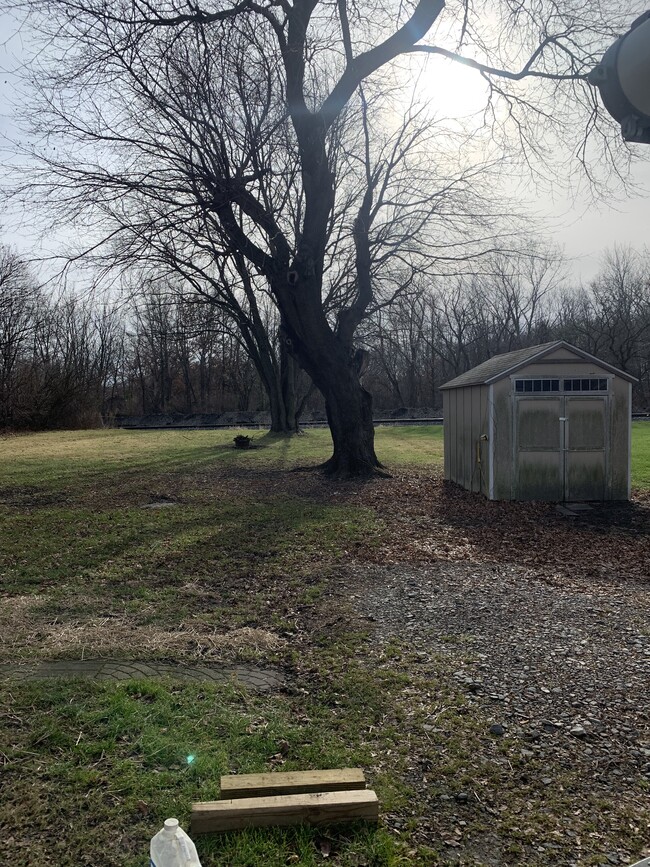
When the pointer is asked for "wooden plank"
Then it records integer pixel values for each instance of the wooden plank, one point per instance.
(316, 808)
(292, 783)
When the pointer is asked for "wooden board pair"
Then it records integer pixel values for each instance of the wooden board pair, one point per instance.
(289, 798)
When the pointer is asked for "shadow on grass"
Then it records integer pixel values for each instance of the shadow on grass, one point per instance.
(137, 548)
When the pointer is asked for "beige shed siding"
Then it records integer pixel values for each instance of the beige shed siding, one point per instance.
(446, 441)
(448, 430)
(574, 367)
(465, 413)
(562, 355)
(483, 435)
(503, 445)
(619, 463)
(563, 364)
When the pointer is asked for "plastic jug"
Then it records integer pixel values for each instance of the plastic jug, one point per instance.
(171, 847)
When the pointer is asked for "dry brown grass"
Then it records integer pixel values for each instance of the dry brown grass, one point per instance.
(23, 631)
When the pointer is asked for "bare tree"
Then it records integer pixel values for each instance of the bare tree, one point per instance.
(58, 356)
(186, 354)
(77, 347)
(611, 317)
(20, 310)
(517, 292)
(621, 304)
(255, 98)
(504, 302)
(398, 339)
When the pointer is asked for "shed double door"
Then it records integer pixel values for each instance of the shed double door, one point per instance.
(561, 448)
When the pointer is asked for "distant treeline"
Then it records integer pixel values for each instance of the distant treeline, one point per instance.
(69, 362)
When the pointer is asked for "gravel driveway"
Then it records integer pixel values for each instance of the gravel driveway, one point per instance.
(561, 673)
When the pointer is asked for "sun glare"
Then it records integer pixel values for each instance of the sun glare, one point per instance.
(452, 90)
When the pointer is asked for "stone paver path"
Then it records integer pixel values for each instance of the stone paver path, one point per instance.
(258, 679)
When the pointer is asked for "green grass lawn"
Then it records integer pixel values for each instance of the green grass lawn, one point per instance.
(641, 455)
(86, 569)
(58, 460)
(109, 762)
(249, 565)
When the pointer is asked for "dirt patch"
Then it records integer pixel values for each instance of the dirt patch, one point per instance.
(31, 497)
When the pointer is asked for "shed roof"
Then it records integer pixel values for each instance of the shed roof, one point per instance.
(499, 366)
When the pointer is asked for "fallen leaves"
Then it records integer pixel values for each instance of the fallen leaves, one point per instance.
(428, 519)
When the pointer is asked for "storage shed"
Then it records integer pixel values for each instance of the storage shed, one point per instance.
(550, 422)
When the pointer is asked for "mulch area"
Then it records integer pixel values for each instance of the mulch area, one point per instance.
(431, 520)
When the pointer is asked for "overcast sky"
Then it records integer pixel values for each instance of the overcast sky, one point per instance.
(582, 229)
(585, 230)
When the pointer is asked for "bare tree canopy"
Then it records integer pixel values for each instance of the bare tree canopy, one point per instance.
(255, 138)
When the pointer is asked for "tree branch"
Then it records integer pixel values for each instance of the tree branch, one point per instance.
(402, 41)
(526, 72)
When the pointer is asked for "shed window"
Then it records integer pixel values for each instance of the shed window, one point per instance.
(592, 383)
(524, 386)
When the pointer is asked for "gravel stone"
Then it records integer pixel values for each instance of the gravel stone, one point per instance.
(578, 731)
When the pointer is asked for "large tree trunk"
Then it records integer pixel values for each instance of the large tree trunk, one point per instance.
(349, 413)
(329, 359)
(274, 376)
(288, 388)
(349, 407)
(279, 382)
(283, 416)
